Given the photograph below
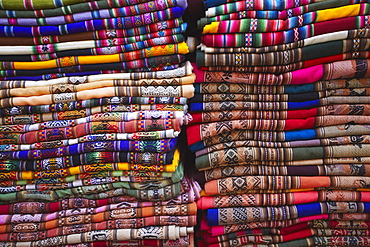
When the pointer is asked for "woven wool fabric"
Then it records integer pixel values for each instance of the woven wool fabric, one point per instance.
(132, 179)
(93, 128)
(242, 240)
(79, 61)
(103, 214)
(213, 114)
(69, 88)
(160, 145)
(209, 144)
(69, 64)
(105, 36)
(99, 47)
(224, 216)
(99, 187)
(299, 170)
(290, 67)
(227, 115)
(106, 115)
(322, 85)
(202, 148)
(231, 13)
(244, 183)
(98, 192)
(143, 78)
(111, 58)
(348, 44)
(340, 219)
(79, 202)
(122, 113)
(62, 113)
(269, 136)
(61, 172)
(83, 11)
(86, 6)
(245, 155)
(120, 91)
(61, 227)
(335, 70)
(171, 232)
(260, 25)
(204, 130)
(147, 22)
(243, 200)
(243, 101)
(282, 37)
(48, 74)
(36, 4)
(306, 53)
(241, 88)
(166, 49)
(262, 4)
(248, 83)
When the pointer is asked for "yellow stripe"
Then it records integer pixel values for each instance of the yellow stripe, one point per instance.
(337, 13)
(211, 28)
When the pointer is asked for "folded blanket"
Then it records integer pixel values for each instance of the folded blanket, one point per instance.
(84, 11)
(237, 215)
(150, 51)
(146, 23)
(159, 145)
(98, 192)
(44, 123)
(315, 41)
(36, 4)
(346, 218)
(249, 200)
(259, 5)
(170, 232)
(67, 64)
(278, 136)
(186, 91)
(104, 37)
(244, 183)
(335, 70)
(238, 10)
(255, 25)
(241, 39)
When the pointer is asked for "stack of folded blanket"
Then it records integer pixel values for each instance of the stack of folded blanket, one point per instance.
(281, 126)
(93, 97)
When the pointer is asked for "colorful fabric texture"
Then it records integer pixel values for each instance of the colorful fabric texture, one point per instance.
(276, 133)
(94, 105)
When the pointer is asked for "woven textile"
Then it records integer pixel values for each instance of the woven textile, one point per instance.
(107, 82)
(84, 11)
(275, 80)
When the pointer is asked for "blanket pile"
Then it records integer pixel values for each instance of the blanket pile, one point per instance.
(93, 97)
(281, 123)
